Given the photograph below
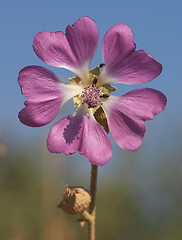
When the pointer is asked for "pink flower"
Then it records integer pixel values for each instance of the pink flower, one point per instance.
(123, 115)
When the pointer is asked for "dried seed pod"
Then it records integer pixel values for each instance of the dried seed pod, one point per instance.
(75, 200)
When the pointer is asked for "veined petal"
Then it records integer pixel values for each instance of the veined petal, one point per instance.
(117, 44)
(122, 63)
(65, 135)
(80, 132)
(126, 115)
(73, 50)
(46, 93)
(95, 143)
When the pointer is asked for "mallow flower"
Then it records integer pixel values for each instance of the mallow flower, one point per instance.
(97, 111)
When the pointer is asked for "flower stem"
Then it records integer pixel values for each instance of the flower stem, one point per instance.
(93, 186)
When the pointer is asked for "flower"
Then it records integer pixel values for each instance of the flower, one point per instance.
(123, 115)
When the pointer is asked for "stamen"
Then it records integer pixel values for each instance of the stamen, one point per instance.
(104, 95)
(95, 81)
(91, 96)
(101, 65)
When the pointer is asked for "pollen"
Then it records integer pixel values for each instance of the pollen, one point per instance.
(91, 96)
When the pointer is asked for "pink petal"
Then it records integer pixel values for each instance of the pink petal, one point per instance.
(46, 93)
(65, 135)
(126, 115)
(95, 144)
(73, 50)
(122, 63)
(80, 132)
(39, 112)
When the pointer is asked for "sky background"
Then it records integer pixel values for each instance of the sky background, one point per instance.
(157, 28)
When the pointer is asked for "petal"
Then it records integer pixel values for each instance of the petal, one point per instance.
(117, 44)
(126, 115)
(38, 113)
(80, 132)
(95, 144)
(122, 63)
(73, 50)
(46, 93)
(65, 135)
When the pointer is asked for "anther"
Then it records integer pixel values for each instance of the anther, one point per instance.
(105, 96)
(95, 81)
(101, 65)
(91, 96)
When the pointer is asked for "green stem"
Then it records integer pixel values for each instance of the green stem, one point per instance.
(93, 187)
(86, 216)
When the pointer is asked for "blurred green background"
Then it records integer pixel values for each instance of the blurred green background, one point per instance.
(136, 199)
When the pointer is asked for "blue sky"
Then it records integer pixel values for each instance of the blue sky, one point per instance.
(157, 28)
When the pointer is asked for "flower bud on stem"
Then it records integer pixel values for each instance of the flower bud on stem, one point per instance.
(77, 199)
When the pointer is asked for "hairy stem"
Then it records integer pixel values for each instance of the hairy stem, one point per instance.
(93, 186)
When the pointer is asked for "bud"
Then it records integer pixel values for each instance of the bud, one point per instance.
(75, 200)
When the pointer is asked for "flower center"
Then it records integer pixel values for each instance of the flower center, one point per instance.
(91, 96)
